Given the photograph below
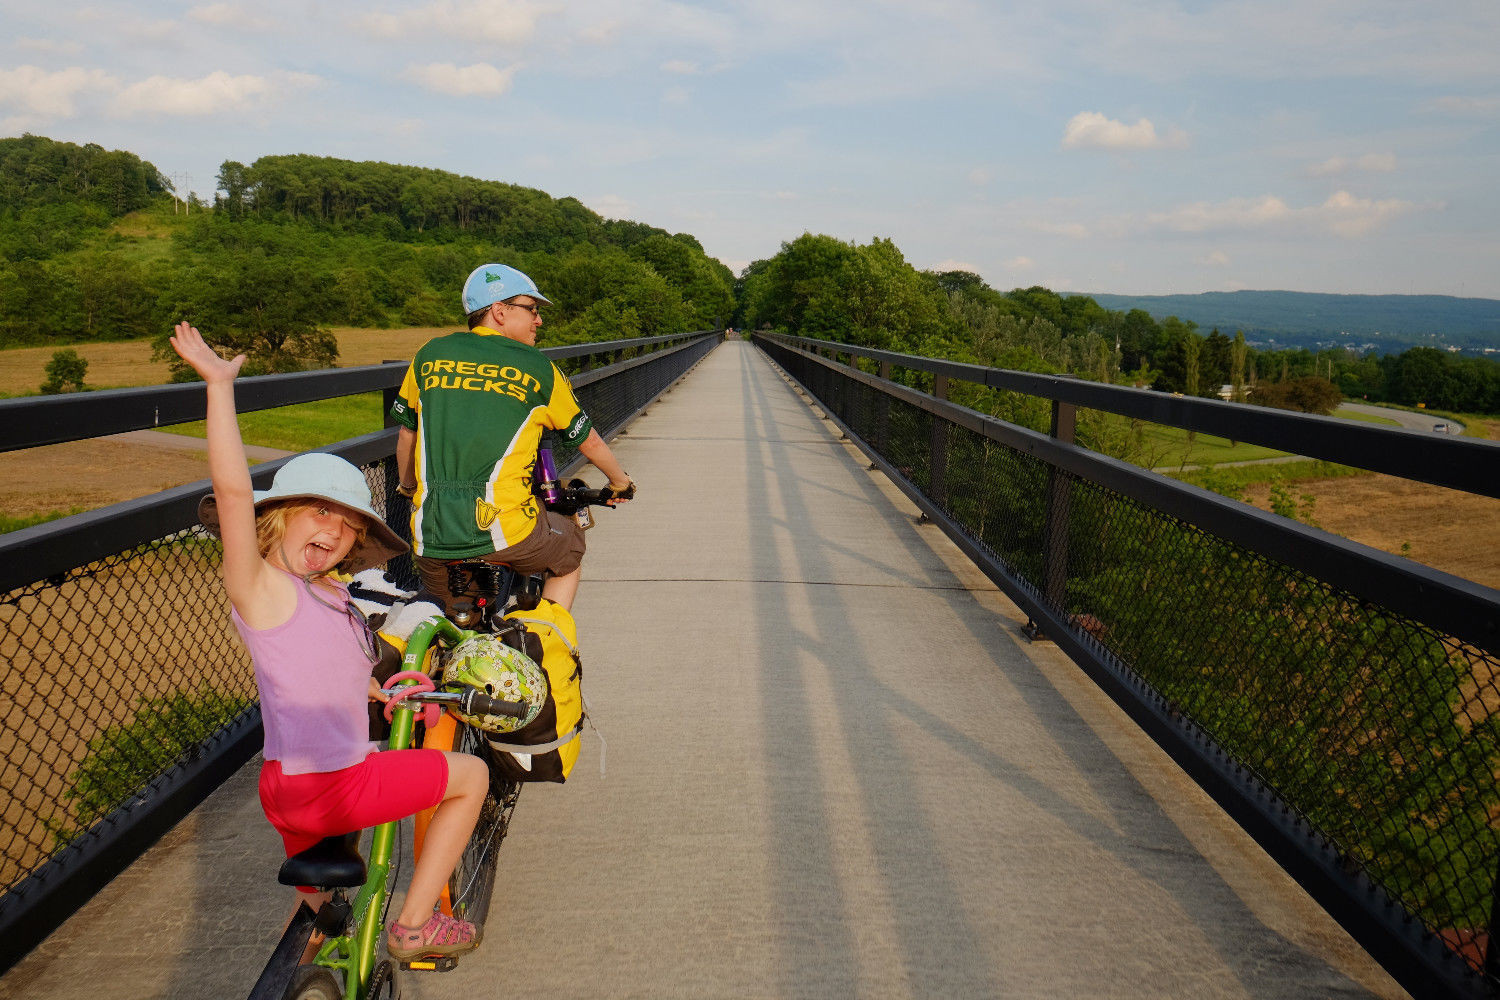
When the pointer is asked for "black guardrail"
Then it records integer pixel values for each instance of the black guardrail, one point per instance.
(1340, 703)
(127, 698)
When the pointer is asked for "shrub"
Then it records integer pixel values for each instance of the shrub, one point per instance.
(123, 758)
(65, 372)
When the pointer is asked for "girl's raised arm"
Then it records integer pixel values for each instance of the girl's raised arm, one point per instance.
(244, 569)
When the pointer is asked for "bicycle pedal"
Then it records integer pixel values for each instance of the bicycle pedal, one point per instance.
(433, 963)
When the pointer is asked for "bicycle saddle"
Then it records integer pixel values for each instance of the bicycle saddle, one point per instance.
(331, 863)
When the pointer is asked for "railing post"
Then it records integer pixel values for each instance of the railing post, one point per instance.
(1492, 946)
(388, 397)
(883, 421)
(397, 507)
(1055, 543)
(937, 480)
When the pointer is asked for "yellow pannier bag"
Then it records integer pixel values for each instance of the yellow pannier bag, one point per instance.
(547, 747)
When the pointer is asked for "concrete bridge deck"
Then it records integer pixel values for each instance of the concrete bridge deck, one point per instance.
(835, 769)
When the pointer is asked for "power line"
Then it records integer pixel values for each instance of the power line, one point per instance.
(181, 182)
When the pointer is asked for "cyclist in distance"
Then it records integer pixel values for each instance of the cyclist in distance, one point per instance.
(313, 654)
(472, 410)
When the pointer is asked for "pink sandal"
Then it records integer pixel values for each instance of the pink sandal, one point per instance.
(441, 935)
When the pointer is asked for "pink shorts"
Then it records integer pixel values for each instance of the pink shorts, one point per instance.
(385, 786)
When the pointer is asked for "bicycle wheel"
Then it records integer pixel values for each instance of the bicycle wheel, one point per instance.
(473, 880)
(386, 982)
(313, 982)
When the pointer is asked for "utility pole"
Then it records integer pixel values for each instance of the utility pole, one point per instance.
(181, 182)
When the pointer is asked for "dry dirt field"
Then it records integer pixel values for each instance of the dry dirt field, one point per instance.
(91, 474)
(1458, 533)
(1454, 532)
(129, 362)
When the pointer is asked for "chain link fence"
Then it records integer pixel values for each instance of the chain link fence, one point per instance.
(127, 695)
(1360, 725)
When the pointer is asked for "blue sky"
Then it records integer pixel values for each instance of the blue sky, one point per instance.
(1129, 147)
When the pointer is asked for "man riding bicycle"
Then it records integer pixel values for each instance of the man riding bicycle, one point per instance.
(472, 410)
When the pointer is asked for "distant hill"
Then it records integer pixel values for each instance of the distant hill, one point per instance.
(1386, 323)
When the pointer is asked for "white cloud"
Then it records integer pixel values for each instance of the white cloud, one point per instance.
(1370, 162)
(1092, 130)
(680, 67)
(1235, 213)
(1217, 258)
(1350, 216)
(35, 91)
(210, 95)
(486, 20)
(162, 32)
(1454, 105)
(611, 206)
(481, 79)
(676, 96)
(1343, 214)
(1072, 230)
(1020, 263)
(1167, 40)
(229, 15)
(979, 176)
(50, 46)
(952, 264)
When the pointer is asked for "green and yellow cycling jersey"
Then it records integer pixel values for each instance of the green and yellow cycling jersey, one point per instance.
(479, 403)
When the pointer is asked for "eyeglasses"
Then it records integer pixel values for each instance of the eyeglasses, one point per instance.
(530, 307)
(369, 642)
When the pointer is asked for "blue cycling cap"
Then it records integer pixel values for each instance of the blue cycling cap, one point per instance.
(495, 283)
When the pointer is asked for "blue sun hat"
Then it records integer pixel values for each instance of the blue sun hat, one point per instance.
(320, 476)
(493, 283)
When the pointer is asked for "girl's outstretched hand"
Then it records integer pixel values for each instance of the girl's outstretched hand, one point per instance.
(190, 347)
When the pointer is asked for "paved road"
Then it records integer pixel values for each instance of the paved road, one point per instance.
(835, 769)
(184, 442)
(1409, 419)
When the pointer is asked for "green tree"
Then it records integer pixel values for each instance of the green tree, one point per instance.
(1237, 358)
(65, 372)
(115, 296)
(254, 296)
(1420, 374)
(232, 182)
(1308, 394)
(1215, 362)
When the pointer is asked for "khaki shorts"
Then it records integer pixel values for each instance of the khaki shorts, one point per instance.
(555, 546)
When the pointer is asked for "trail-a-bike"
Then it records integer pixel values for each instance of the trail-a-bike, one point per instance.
(348, 965)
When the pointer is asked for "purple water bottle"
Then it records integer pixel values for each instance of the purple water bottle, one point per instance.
(546, 472)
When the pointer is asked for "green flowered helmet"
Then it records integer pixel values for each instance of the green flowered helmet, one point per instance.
(486, 663)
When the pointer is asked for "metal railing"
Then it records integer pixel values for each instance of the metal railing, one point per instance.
(127, 697)
(1340, 703)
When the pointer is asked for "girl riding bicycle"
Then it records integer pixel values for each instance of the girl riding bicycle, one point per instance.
(313, 654)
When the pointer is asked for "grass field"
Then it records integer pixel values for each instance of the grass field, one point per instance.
(1368, 418)
(1173, 448)
(306, 425)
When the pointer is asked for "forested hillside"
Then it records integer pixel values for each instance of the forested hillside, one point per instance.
(94, 248)
(1388, 323)
(818, 286)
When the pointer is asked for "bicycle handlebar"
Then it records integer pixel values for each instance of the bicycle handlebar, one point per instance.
(476, 702)
(470, 701)
(572, 498)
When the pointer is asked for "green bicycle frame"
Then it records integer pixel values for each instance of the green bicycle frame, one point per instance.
(353, 956)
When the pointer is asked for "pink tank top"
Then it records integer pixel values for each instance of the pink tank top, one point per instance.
(313, 677)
